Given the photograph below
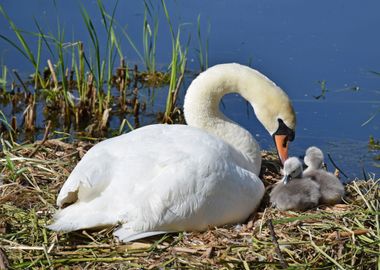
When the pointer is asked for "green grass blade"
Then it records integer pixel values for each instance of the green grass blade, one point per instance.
(207, 45)
(200, 50)
(169, 21)
(3, 79)
(36, 69)
(44, 38)
(95, 42)
(133, 45)
(4, 121)
(20, 37)
(13, 44)
(325, 254)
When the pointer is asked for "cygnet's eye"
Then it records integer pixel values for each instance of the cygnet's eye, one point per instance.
(295, 173)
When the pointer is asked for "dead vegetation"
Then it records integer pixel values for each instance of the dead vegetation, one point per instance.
(346, 236)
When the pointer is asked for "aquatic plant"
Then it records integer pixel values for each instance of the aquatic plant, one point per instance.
(373, 143)
(23, 48)
(3, 78)
(177, 67)
(76, 87)
(202, 51)
(7, 131)
(81, 87)
(150, 37)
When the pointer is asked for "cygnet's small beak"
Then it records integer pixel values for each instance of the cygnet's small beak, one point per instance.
(285, 179)
(282, 145)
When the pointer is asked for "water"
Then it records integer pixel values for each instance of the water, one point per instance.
(295, 43)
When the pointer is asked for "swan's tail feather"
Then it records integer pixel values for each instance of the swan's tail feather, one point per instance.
(127, 235)
(77, 217)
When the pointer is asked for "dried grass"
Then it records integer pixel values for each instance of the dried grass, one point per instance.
(345, 236)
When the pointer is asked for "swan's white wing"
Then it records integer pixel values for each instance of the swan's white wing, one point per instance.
(160, 178)
(93, 172)
(90, 177)
(212, 195)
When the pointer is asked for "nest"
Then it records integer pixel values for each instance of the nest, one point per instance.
(344, 236)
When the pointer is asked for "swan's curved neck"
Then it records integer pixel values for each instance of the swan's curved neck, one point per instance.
(201, 106)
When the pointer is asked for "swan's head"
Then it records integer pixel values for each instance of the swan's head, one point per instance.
(292, 169)
(276, 113)
(271, 104)
(314, 158)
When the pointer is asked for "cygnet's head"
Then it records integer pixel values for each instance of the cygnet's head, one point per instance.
(314, 158)
(292, 169)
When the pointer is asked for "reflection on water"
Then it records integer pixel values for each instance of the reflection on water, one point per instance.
(296, 43)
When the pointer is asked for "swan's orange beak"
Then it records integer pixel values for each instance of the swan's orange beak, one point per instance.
(282, 145)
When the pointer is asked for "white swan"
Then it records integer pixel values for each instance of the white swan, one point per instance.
(165, 178)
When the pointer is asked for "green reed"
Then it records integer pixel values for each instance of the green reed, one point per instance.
(78, 66)
(98, 69)
(112, 44)
(149, 37)
(89, 68)
(62, 67)
(59, 71)
(202, 52)
(177, 66)
(3, 78)
(23, 48)
(9, 129)
(41, 38)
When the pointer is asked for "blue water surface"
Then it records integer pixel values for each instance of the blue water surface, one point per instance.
(297, 44)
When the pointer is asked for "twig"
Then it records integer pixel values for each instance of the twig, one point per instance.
(336, 167)
(276, 245)
(4, 263)
(47, 129)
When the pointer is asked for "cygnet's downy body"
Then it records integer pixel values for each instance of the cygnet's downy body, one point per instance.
(332, 190)
(295, 192)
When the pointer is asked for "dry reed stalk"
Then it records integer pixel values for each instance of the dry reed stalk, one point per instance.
(53, 74)
(104, 120)
(176, 91)
(121, 74)
(136, 108)
(46, 134)
(91, 92)
(29, 113)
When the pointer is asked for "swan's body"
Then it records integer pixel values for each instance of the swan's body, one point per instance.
(163, 178)
(297, 193)
(332, 190)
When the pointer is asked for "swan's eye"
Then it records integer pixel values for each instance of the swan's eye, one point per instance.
(283, 129)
